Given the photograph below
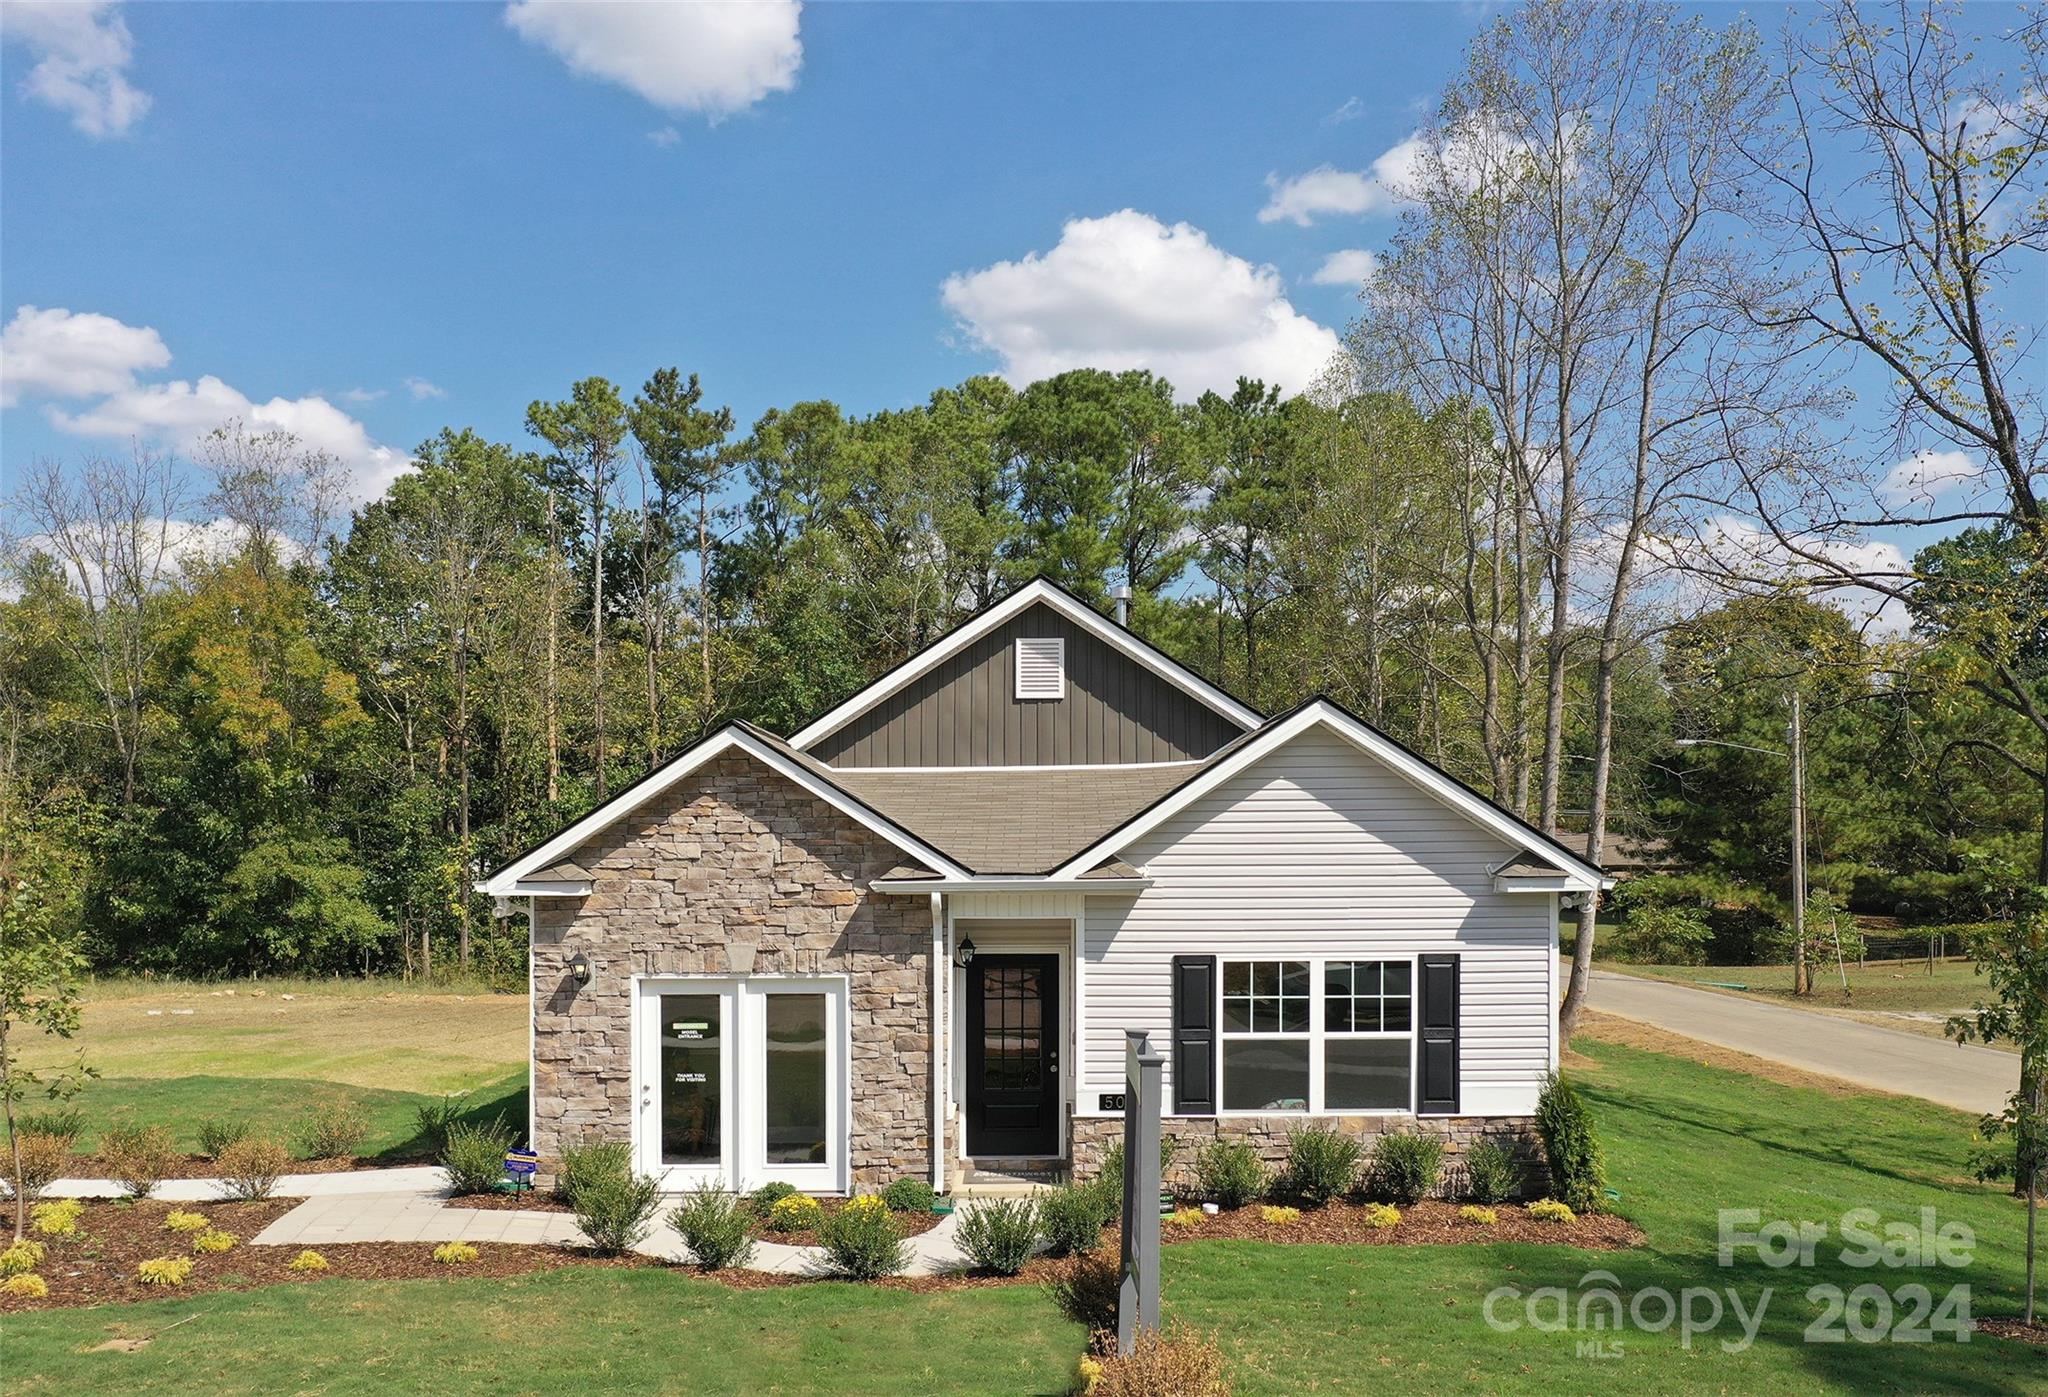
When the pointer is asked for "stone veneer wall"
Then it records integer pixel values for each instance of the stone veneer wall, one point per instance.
(1268, 1134)
(734, 870)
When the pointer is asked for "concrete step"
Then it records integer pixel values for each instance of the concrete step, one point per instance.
(1008, 1178)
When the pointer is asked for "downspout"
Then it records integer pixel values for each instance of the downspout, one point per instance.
(940, 963)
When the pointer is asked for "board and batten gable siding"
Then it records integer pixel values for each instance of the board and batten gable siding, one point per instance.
(1320, 850)
(964, 711)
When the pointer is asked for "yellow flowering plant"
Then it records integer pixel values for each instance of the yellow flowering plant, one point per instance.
(1381, 1215)
(1485, 1217)
(213, 1241)
(1279, 1213)
(26, 1287)
(177, 1220)
(455, 1253)
(165, 1270)
(308, 1261)
(1550, 1210)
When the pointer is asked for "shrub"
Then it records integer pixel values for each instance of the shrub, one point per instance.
(1407, 1168)
(1085, 1289)
(165, 1270)
(213, 1241)
(332, 1128)
(57, 1218)
(250, 1168)
(1183, 1217)
(713, 1225)
(433, 1120)
(178, 1220)
(997, 1236)
(1321, 1164)
(455, 1253)
(763, 1199)
(308, 1261)
(139, 1157)
(793, 1213)
(64, 1124)
(1662, 935)
(1177, 1363)
(615, 1213)
(1492, 1173)
(473, 1155)
(1380, 1216)
(909, 1196)
(1071, 1219)
(862, 1243)
(1576, 1173)
(26, 1287)
(1111, 1180)
(216, 1133)
(1278, 1214)
(1550, 1210)
(44, 1158)
(583, 1165)
(1471, 1212)
(1229, 1173)
(22, 1257)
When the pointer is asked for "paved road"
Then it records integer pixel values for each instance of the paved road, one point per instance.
(1969, 1077)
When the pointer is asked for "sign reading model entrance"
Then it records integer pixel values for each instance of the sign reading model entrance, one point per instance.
(1013, 1065)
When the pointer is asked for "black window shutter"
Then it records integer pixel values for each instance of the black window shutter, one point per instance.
(1194, 1035)
(1436, 1094)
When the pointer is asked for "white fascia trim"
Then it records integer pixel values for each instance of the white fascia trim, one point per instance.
(1546, 883)
(1100, 887)
(544, 889)
(508, 879)
(1029, 595)
(1416, 771)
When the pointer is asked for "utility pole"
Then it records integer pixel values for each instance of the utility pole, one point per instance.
(1802, 980)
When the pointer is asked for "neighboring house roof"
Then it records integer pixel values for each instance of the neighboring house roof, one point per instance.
(1038, 592)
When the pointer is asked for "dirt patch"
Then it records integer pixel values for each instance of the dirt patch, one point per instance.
(96, 1265)
(1632, 1033)
(909, 1224)
(199, 1166)
(532, 1201)
(2018, 1331)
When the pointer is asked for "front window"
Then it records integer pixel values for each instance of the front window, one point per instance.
(1317, 1035)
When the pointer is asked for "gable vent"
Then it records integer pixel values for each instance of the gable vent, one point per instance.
(1041, 667)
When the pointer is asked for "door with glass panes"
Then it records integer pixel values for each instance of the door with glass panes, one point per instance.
(742, 1082)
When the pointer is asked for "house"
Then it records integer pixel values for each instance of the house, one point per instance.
(907, 940)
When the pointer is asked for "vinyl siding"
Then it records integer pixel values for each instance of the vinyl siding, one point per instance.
(1320, 850)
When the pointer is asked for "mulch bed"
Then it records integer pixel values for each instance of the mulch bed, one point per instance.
(909, 1224)
(96, 1266)
(1422, 1224)
(199, 1166)
(533, 1200)
(2017, 1330)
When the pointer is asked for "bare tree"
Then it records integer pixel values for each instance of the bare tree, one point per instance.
(278, 493)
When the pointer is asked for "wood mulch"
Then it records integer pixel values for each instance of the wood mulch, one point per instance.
(1429, 1223)
(2017, 1330)
(533, 1200)
(96, 1265)
(909, 1224)
(199, 1166)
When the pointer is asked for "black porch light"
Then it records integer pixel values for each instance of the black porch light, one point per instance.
(963, 954)
(579, 969)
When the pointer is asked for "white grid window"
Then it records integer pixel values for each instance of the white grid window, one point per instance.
(1316, 1035)
(1041, 667)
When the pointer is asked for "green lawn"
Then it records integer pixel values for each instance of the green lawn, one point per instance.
(1682, 1139)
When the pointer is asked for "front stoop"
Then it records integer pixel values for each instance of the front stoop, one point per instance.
(1008, 1178)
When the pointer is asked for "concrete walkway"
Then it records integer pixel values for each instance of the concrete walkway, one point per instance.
(1969, 1077)
(420, 1178)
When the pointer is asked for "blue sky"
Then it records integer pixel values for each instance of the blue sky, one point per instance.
(329, 201)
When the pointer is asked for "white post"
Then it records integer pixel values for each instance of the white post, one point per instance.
(942, 960)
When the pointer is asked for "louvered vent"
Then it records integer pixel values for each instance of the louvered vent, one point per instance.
(1041, 667)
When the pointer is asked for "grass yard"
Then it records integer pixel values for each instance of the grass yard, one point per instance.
(1892, 994)
(175, 1054)
(1683, 1138)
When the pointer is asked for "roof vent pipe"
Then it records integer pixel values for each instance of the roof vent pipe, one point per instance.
(1121, 594)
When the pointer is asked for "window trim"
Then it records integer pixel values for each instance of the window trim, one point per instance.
(1317, 1033)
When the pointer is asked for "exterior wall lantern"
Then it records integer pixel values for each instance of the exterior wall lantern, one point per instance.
(579, 969)
(963, 954)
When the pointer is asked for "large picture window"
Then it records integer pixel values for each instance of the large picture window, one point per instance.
(1318, 1035)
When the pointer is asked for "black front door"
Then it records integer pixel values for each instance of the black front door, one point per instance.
(1013, 1055)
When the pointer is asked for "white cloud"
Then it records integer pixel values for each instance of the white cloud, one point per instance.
(56, 354)
(713, 58)
(1351, 110)
(82, 51)
(1128, 292)
(1354, 266)
(1730, 555)
(1925, 474)
(421, 389)
(665, 136)
(363, 395)
(1328, 190)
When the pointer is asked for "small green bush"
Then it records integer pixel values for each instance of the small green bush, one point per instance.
(1321, 1164)
(1111, 1180)
(714, 1226)
(1380, 1215)
(474, 1155)
(1492, 1173)
(1072, 1218)
(1577, 1175)
(588, 1164)
(64, 1124)
(862, 1243)
(216, 1133)
(1406, 1168)
(333, 1128)
(1662, 935)
(1085, 1289)
(250, 1167)
(433, 1120)
(138, 1156)
(998, 1235)
(909, 1196)
(763, 1199)
(615, 1213)
(1229, 1173)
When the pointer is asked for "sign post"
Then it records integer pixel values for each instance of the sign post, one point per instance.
(1137, 1306)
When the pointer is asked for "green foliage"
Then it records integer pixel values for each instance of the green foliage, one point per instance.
(1229, 1173)
(2013, 956)
(216, 1133)
(998, 1235)
(909, 1195)
(615, 1212)
(138, 1156)
(794, 1212)
(863, 1243)
(1111, 1180)
(436, 1118)
(1577, 1174)
(763, 1199)
(62, 1124)
(1406, 1168)
(715, 1225)
(1072, 1217)
(1492, 1173)
(1322, 1164)
(1085, 1289)
(1667, 935)
(474, 1156)
(333, 1127)
(584, 1165)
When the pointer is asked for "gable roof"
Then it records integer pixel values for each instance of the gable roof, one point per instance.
(1325, 714)
(1038, 592)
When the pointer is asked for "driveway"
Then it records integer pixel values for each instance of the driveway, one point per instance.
(1969, 1077)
